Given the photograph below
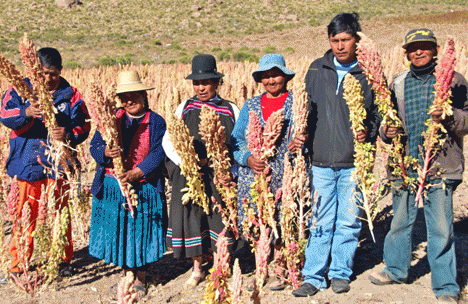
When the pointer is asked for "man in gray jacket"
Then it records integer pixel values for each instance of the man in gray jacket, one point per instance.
(413, 94)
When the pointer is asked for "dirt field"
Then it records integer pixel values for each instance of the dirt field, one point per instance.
(93, 278)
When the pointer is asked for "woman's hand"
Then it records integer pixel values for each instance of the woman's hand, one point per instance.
(257, 165)
(112, 152)
(297, 143)
(59, 134)
(131, 176)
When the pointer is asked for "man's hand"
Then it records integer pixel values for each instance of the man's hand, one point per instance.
(390, 132)
(59, 134)
(297, 143)
(256, 164)
(112, 152)
(360, 136)
(34, 110)
(131, 176)
(437, 115)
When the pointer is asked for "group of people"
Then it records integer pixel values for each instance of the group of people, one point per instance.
(135, 241)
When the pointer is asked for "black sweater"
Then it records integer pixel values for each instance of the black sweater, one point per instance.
(330, 141)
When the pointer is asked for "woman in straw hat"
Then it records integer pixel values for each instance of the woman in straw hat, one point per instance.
(130, 241)
(191, 232)
(274, 76)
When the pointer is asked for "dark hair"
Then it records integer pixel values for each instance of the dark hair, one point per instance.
(50, 57)
(344, 22)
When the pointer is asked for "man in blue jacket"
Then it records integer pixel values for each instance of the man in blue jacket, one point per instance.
(335, 224)
(29, 138)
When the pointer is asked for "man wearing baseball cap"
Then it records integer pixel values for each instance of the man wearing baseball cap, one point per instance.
(413, 95)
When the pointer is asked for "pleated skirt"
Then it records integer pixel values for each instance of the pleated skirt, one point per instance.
(191, 231)
(121, 239)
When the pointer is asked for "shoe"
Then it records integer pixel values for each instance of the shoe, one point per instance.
(195, 278)
(277, 285)
(340, 285)
(382, 278)
(140, 291)
(447, 299)
(251, 285)
(306, 290)
(65, 270)
(3, 278)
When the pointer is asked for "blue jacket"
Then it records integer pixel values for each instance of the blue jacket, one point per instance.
(152, 165)
(28, 134)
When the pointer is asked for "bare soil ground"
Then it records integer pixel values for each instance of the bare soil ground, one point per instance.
(93, 278)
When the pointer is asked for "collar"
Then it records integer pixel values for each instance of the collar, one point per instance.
(346, 66)
(425, 70)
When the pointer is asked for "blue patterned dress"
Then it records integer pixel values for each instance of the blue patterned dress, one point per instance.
(241, 150)
(115, 235)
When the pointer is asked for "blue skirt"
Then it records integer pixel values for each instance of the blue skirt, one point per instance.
(121, 239)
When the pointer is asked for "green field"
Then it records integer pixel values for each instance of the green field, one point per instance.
(103, 32)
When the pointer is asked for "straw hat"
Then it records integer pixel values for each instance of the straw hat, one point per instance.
(129, 81)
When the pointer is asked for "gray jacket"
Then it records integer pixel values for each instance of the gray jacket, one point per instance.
(449, 161)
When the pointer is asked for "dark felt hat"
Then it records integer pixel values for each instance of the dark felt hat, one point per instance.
(419, 34)
(204, 67)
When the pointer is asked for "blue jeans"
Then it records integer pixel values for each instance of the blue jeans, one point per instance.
(438, 213)
(335, 227)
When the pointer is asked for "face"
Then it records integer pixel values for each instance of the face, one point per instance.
(205, 88)
(133, 102)
(274, 82)
(343, 46)
(421, 53)
(52, 77)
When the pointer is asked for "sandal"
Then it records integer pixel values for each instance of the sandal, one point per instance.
(3, 278)
(277, 285)
(252, 283)
(195, 278)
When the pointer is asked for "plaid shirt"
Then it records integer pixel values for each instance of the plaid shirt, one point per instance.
(419, 95)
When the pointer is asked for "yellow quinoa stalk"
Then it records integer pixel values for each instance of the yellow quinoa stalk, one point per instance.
(59, 152)
(183, 144)
(102, 109)
(212, 133)
(58, 243)
(13, 76)
(370, 61)
(363, 152)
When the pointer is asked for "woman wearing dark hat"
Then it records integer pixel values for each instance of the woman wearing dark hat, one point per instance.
(274, 76)
(191, 232)
(131, 242)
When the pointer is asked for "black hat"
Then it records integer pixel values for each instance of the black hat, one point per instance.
(204, 67)
(420, 34)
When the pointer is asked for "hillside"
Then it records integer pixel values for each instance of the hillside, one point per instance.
(108, 31)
